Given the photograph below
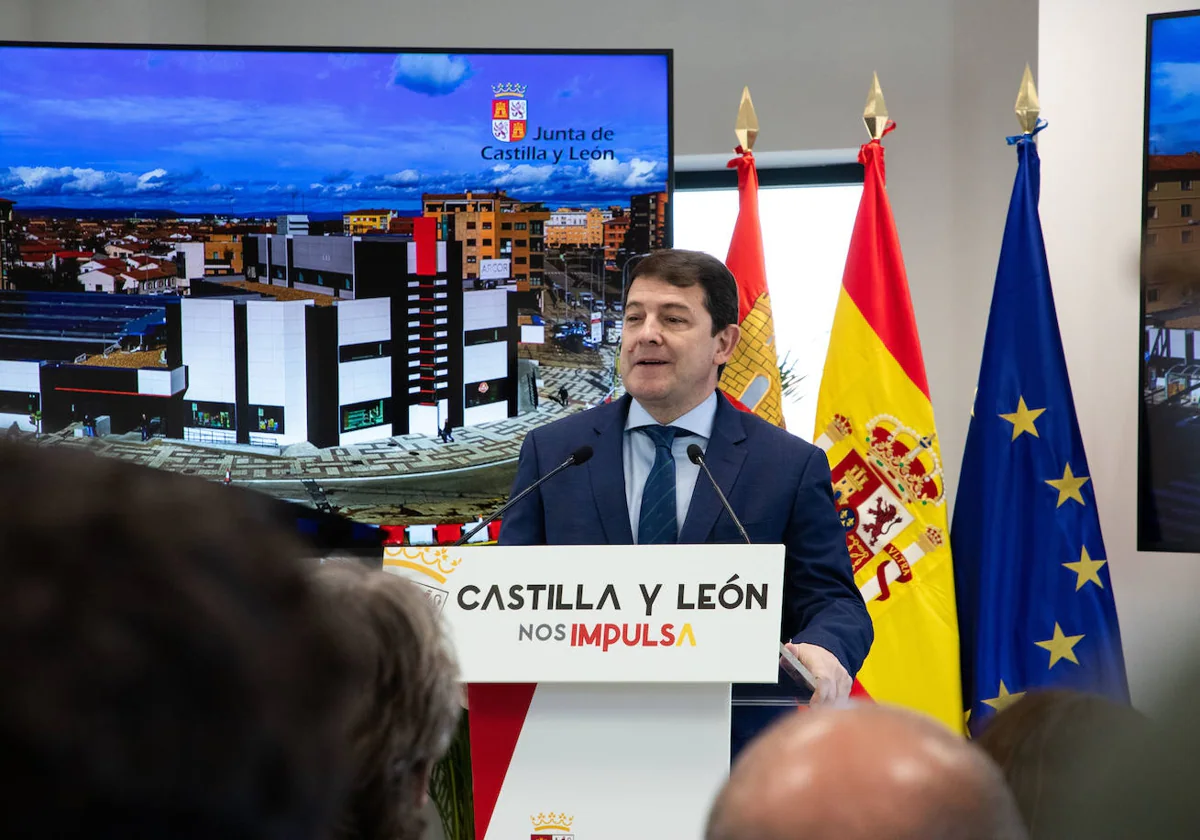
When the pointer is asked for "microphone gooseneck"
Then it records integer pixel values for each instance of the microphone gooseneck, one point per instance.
(696, 456)
(579, 456)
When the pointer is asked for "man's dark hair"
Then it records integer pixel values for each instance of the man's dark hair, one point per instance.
(407, 699)
(689, 268)
(1042, 742)
(168, 670)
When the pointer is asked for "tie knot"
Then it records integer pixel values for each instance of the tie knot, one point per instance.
(663, 436)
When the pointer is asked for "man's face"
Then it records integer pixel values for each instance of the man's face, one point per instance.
(669, 355)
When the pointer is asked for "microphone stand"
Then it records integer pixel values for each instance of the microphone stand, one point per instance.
(788, 659)
(573, 460)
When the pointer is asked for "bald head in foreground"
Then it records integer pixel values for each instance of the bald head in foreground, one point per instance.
(863, 772)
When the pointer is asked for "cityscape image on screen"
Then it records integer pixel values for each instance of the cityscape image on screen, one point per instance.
(348, 278)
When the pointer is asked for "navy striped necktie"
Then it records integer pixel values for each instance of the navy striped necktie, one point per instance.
(657, 522)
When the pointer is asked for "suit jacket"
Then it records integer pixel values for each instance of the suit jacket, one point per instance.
(778, 484)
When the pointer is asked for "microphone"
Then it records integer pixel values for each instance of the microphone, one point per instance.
(696, 456)
(579, 456)
(787, 659)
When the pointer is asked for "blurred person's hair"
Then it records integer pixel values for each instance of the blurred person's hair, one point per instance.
(168, 669)
(1042, 741)
(408, 700)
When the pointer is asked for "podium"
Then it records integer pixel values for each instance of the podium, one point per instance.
(599, 677)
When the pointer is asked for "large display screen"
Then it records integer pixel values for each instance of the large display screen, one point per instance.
(1169, 444)
(349, 278)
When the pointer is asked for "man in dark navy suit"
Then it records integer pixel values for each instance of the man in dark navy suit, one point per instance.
(640, 487)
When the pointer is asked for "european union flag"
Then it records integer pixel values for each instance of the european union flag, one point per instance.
(1035, 601)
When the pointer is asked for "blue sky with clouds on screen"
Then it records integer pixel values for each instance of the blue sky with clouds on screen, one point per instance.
(1175, 86)
(245, 131)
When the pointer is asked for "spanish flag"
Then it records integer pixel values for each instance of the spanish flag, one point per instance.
(751, 377)
(875, 423)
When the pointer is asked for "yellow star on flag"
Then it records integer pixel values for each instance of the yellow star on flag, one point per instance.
(1087, 569)
(1022, 419)
(1060, 646)
(1068, 486)
(1003, 700)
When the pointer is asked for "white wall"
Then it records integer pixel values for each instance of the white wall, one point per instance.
(425, 419)
(364, 435)
(1092, 59)
(295, 374)
(19, 376)
(485, 361)
(483, 309)
(361, 321)
(207, 342)
(193, 256)
(276, 365)
(369, 379)
(155, 382)
(22, 421)
(490, 413)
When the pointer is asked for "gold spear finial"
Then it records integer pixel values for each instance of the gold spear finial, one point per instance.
(1028, 106)
(746, 127)
(875, 114)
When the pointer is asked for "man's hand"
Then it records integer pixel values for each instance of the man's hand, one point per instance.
(833, 683)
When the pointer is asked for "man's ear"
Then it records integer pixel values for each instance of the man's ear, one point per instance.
(727, 341)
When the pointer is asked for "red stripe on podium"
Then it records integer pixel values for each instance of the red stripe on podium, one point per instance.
(496, 714)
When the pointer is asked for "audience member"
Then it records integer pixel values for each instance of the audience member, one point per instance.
(168, 670)
(1139, 781)
(1041, 741)
(860, 773)
(407, 699)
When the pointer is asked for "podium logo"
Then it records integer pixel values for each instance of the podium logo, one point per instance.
(421, 566)
(552, 827)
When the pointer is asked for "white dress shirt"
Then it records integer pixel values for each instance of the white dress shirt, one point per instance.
(638, 453)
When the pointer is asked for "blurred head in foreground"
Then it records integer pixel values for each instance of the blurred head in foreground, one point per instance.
(863, 772)
(407, 699)
(168, 669)
(1042, 741)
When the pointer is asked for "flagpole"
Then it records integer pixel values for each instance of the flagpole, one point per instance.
(754, 360)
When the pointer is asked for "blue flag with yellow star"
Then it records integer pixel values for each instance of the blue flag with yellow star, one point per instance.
(1035, 601)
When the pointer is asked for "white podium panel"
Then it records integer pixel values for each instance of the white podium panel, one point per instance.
(599, 677)
(570, 614)
(631, 761)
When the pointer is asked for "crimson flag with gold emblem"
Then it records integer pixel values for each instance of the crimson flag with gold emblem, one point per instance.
(752, 376)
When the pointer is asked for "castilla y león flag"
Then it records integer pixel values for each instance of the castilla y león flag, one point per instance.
(875, 423)
(752, 375)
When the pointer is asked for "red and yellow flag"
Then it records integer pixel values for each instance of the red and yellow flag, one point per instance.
(752, 376)
(875, 423)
